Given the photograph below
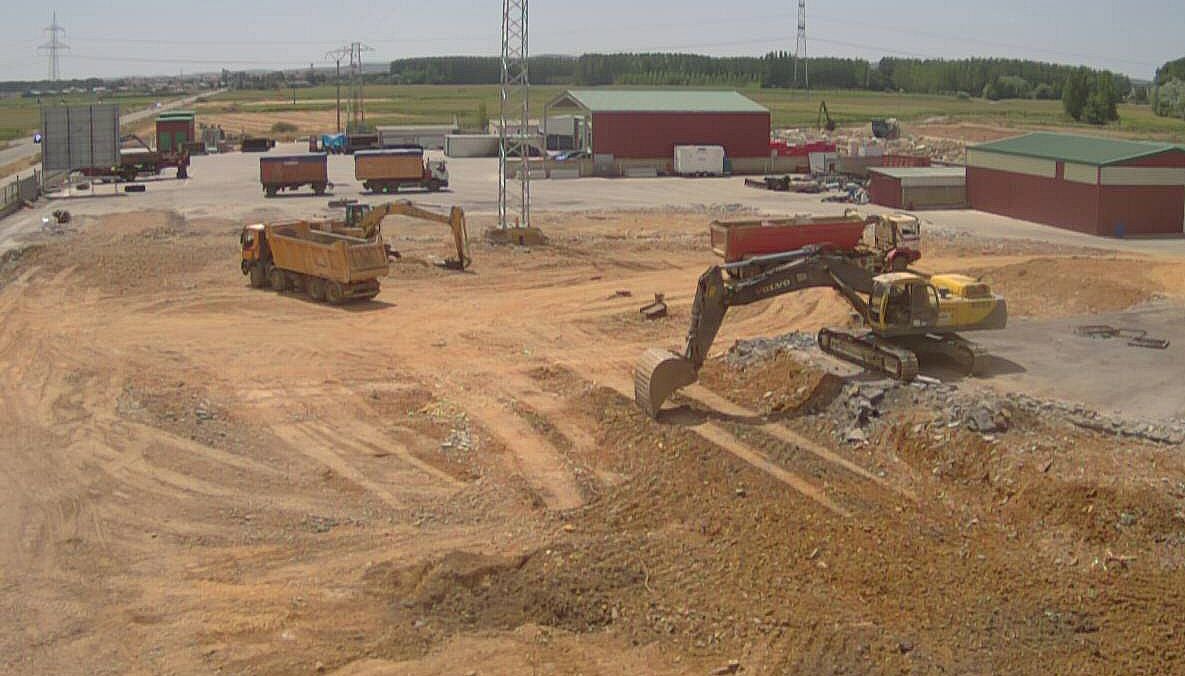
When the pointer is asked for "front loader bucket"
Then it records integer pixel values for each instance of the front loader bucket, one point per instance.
(657, 375)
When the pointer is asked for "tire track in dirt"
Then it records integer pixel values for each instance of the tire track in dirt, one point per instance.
(539, 461)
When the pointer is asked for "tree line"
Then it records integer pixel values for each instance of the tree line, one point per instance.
(1168, 94)
(989, 78)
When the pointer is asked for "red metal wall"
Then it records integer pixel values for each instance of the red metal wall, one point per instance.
(1074, 206)
(884, 190)
(646, 136)
(1172, 158)
(1142, 210)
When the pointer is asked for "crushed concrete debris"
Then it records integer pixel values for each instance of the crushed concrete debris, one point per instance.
(744, 353)
(856, 414)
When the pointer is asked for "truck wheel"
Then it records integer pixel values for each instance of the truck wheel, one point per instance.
(270, 190)
(316, 289)
(182, 173)
(319, 188)
(255, 274)
(277, 279)
(434, 186)
(334, 293)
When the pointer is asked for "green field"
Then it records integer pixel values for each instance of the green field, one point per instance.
(21, 116)
(395, 104)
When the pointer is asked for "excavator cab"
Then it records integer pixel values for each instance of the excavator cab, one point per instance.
(355, 213)
(902, 302)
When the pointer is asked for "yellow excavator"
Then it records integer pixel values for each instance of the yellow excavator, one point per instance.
(365, 221)
(904, 313)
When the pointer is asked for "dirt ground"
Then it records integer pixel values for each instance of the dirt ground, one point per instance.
(201, 477)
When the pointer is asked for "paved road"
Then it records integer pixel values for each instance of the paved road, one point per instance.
(1046, 358)
(25, 147)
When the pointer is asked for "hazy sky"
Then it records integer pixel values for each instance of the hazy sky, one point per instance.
(119, 37)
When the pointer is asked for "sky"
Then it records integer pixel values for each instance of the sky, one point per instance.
(117, 37)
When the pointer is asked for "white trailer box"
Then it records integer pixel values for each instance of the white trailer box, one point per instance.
(699, 160)
(471, 145)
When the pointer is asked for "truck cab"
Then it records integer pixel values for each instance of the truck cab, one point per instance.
(898, 237)
(255, 253)
(437, 173)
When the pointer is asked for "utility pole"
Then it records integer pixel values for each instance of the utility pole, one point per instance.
(54, 47)
(336, 56)
(514, 110)
(800, 48)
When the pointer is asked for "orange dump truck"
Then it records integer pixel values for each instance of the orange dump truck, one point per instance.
(292, 172)
(306, 256)
(389, 170)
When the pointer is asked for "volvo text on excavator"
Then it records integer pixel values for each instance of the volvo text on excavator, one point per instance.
(904, 313)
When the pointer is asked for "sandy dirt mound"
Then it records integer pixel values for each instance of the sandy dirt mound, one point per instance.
(453, 478)
(1059, 287)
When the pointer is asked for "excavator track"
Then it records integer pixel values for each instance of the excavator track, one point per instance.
(866, 349)
(970, 355)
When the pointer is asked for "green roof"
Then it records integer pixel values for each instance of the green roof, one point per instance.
(660, 101)
(1074, 148)
(921, 172)
(176, 114)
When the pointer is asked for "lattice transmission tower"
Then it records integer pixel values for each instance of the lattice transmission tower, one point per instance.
(514, 119)
(356, 104)
(800, 48)
(54, 47)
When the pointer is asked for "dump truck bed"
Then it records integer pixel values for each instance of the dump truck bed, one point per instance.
(384, 165)
(738, 239)
(301, 247)
(294, 169)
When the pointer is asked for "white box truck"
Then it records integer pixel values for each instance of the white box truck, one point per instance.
(699, 160)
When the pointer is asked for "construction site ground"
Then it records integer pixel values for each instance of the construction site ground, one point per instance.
(201, 477)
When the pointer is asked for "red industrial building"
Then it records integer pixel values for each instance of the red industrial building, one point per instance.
(648, 124)
(1093, 185)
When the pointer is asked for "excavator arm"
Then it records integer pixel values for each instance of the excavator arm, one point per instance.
(370, 224)
(660, 372)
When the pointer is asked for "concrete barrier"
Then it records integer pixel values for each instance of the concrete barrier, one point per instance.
(16, 192)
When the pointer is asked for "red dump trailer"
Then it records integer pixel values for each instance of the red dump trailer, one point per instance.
(738, 239)
(292, 172)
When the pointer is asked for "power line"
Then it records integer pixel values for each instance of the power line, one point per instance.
(184, 61)
(336, 56)
(848, 21)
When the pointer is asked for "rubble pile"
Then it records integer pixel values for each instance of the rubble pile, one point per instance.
(947, 151)
(744, 353)
(862, 407)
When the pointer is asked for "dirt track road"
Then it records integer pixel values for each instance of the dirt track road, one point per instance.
(199, 476)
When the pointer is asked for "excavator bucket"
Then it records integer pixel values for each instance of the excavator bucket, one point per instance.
(657, 375)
